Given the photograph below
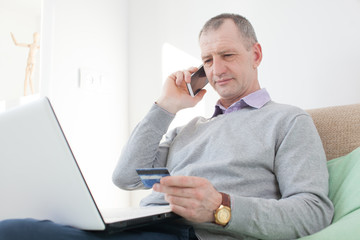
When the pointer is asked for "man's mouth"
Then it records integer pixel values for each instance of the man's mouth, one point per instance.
(222, 81)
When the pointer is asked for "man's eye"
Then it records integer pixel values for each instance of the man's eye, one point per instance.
(207, 62)
(228, 57)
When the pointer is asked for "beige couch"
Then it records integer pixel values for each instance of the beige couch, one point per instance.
(339, 129)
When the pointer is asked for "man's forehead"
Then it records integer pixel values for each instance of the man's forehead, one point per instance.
(218, 45)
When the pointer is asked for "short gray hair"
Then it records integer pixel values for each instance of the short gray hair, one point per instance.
(245, 28)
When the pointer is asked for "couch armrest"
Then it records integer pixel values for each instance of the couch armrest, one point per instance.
(339, 128)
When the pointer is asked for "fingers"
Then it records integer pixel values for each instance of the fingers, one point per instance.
(190, 210)
(182, 201)
(188, 203)
(179, 78)
(185, 187)
(182, 186)
(193, 198)
(176, 186)
(184, 76)
(183, 181)
(188, 73)
(174, 95)
(183, 192)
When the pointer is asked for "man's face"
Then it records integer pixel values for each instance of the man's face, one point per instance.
(229, 66)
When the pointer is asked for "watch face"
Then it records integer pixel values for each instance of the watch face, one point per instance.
(223, 215)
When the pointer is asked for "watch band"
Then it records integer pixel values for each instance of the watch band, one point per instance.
(225, 199)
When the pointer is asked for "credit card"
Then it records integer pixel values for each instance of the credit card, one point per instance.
(150, 176)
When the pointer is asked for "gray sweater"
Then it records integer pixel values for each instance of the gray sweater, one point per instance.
(269, 160)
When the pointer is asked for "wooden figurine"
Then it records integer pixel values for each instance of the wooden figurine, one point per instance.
(30, 66)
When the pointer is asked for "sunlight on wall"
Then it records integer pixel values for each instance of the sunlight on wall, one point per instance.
(175, 59)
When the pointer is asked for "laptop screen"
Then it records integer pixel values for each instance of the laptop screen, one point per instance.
(39, 176)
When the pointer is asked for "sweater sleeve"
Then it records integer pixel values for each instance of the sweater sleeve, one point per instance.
(304, 207)
(143, 149)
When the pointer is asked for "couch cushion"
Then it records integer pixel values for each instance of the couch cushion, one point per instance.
(347, 228)
(344, 183)
(344, 191)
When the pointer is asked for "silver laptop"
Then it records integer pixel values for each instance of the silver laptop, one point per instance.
(40, 178)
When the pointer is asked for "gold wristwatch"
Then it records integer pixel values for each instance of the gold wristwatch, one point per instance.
(223, 213)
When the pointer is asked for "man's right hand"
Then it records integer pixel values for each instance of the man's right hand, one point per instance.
(175, 95)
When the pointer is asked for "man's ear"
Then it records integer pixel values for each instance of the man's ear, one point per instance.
(257, 54)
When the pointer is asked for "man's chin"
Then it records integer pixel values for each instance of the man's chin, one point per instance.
(225, 93)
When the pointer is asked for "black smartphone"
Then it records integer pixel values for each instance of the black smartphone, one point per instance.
(198, 81)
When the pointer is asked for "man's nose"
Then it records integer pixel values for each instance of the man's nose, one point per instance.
(218, 67)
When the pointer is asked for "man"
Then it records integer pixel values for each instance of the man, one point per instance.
(266, 158)
(255, 170)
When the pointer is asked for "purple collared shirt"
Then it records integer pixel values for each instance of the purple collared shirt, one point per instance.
(256, 99)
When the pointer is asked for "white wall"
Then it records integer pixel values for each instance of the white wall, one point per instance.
(89, 35)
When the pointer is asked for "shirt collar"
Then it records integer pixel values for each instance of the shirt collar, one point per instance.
(256, 100)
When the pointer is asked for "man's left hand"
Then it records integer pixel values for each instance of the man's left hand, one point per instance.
(193, 198)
